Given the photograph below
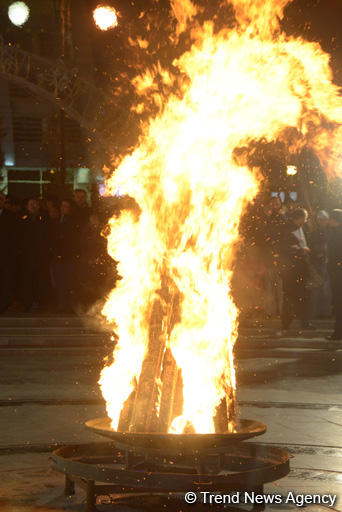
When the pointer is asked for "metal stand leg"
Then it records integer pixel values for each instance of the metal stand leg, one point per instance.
(69, 486)
(91, 497)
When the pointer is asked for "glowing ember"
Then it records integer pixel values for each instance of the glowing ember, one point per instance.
(105, 17)
(173, 307)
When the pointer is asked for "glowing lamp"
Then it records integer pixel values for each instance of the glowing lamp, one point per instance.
(291, 170)
(18, 13)
(105, 17)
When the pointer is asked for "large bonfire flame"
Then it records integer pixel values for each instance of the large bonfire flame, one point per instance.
(175, 318)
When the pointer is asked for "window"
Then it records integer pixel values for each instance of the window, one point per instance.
(22, 183)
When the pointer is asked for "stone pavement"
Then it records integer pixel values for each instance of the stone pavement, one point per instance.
(50, 367)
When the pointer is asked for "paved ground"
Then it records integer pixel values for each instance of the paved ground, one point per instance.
(48, 374)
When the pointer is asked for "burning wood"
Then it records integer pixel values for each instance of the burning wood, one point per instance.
(171, 402)
(145, 414)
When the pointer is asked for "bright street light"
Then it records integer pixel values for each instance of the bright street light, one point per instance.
(18, 13)
(105, 17)
(291, 170)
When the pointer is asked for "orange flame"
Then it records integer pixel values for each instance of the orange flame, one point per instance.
(239, 86)
(184, 11)
(259, 16)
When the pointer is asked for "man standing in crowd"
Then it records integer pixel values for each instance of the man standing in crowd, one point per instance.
(63, 260)
(335, 270)
(81, 213)
(81, 209)
(295, 271)
(33, 251)
(95, 268)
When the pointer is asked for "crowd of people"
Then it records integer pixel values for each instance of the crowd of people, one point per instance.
(291, 265)
(53, 256)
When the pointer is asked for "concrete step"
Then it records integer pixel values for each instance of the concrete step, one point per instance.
(257, 335)
(55, 340)
(52, 325)
(103, 340)
(49, 321)
(38, 331)
(40, 320)
(319, 343)
(274, 323)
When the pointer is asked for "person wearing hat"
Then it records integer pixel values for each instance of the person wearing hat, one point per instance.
(335, 270)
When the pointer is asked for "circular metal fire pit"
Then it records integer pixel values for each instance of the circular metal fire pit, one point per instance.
(176, 443)
(157, 469)
(102, 470)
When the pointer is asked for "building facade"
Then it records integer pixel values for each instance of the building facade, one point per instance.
(44, 133)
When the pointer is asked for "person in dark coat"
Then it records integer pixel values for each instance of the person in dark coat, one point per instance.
(63, 257)
(96, 282)
(81, 210)
(33, 255)
(294, 252)
(335, 270)
(6, 244)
